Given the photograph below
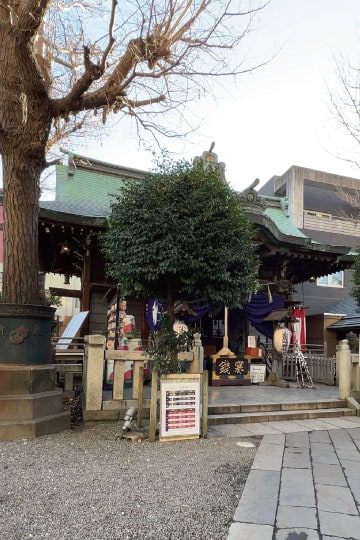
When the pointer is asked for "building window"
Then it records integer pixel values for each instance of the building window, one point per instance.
(331, 280)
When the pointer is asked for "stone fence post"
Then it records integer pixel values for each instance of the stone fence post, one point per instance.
(356, 373)
(344, 368)
(197, 365)
(93, 372)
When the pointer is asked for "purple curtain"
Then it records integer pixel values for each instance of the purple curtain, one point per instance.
(258, 308)
(154, 308)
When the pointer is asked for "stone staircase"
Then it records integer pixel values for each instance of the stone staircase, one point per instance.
(275, 412)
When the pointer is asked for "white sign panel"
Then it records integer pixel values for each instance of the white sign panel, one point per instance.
(180, 406)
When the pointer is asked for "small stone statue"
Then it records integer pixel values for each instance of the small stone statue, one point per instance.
(353, 342)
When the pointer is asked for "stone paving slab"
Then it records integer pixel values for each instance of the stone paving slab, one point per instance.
(340, 525)
(331, 538)
(295, 534)
(295, 516)
(351, 468)
(332, 474)
(355, 432)
(320, 454)
(313, 424)
(298, 439)
(287, 426)
(297, 488)
(345, 454)
(321, 437)
(335, 499)
(258, 502)
(258, 428)
(279, 438)
(329, 474)
(320, 447)
(249, 531)
(354, 485)
(342, 440)
(268, 457)
(341, 422)
(229, 430)
(297, 458)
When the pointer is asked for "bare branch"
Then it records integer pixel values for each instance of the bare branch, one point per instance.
(345, 105)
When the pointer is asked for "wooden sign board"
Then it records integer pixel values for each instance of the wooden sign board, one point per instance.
(230, 370)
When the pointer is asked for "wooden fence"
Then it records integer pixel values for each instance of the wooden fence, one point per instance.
(322, 368)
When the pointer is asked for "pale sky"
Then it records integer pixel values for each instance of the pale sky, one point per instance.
(279, 115)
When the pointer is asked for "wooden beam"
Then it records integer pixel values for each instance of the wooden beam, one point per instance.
(69, 293)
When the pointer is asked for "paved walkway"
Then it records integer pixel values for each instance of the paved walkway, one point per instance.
(304, 483)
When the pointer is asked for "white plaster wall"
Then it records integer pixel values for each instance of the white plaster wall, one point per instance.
(70, 306)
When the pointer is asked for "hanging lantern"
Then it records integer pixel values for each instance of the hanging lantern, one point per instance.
(282, 339)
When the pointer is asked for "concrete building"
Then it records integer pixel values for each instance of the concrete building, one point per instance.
(318, 204)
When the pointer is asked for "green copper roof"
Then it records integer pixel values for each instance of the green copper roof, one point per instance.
(283, 222)
(86, 190)
(85, 187)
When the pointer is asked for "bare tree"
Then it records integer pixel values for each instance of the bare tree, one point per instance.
(345, 105)
(65, 63)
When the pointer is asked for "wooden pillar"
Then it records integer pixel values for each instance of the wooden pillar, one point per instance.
(86, 276)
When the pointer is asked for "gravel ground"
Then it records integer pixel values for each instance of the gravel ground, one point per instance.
(85, 484)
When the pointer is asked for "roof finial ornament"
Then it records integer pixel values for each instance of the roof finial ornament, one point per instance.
(210, 159)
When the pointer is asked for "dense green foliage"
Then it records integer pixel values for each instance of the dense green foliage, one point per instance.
(180, 234)
(356, 278)
(165, 345)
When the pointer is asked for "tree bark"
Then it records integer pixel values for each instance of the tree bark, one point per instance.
(24, 128)
(21, 207)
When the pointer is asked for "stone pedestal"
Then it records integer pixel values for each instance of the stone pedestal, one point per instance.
(30, 403)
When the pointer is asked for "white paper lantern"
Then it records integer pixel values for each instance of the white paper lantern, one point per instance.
(282, 339)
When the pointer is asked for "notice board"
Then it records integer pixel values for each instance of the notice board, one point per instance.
(179, 406)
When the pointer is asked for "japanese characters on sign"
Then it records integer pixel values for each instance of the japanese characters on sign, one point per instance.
(231, 366)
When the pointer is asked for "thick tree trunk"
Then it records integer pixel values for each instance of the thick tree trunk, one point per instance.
(21, 206)
(25, 120)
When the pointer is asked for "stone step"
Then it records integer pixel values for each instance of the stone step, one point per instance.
(268, 407)
(11, 430)
(18, 380)
(31, 406)
(278, 415)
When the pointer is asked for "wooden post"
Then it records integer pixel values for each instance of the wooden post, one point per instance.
(153, 405)
(140, 398)
(85, 278)
(204, 403)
